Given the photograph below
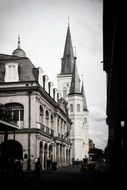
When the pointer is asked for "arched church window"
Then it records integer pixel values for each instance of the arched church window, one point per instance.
(78, 107)
(11, 72)
(85, 120)
(71, 108)
(64, 92)
(14, 113)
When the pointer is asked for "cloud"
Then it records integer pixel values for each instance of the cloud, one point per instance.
(98, 129)
(97, 114)
(98, 132)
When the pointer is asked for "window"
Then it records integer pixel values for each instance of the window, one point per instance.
(25, 156)
(58, 120)
(64, 93)
(41, 110)
(85, 120)
(52, 121)
(41, 114)
(14, 113)
(78, 107)
(11, 72)
(71, 108)
(47, 118)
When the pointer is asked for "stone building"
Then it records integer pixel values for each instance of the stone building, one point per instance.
(31, 103)
(69, 86)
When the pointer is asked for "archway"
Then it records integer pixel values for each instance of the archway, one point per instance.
(10, 150)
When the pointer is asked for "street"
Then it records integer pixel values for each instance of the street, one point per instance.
(64, 177)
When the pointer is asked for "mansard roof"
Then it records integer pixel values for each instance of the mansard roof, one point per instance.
(27, 71)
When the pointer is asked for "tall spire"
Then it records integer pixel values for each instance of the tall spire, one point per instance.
(84, 97)
(75, 82)
(68, 55)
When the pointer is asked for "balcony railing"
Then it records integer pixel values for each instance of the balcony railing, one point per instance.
(50, 132)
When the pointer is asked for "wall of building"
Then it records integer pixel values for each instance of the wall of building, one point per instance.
(80, 135)
(64, 82)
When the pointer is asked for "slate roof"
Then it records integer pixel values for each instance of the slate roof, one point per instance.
(27, 71)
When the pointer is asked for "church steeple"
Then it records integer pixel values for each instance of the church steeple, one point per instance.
(75, 82)
(84, 98)
(68, 55)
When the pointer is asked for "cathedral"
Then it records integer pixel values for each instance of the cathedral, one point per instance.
(45, 122)
(69, 86)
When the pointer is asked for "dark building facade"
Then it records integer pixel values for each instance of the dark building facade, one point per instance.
(115, 66)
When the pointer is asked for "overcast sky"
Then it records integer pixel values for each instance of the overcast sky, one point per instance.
(42, 25)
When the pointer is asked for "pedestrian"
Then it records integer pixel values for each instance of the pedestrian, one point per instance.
(17, 168)
(38, 168)
(48, 163)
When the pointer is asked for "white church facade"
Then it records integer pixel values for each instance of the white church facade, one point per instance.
(68, 83)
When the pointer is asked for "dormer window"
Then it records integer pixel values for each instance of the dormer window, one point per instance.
(11, 72)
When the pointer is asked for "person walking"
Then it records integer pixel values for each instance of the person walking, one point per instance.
(48, 164)
(38, 168)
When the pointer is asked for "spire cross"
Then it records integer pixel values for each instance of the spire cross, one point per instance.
(68, 21)
(82, 78)
(75, 51)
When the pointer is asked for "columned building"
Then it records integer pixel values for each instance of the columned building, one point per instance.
(68, 82)
(31, 103)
